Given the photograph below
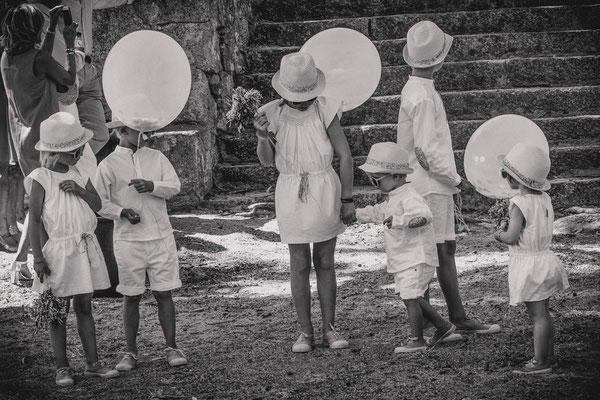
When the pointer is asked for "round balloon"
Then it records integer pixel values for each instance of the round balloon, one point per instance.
(493, 138)
(146, 80)
(350, 62)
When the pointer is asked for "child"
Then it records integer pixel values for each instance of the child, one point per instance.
(67, 256)
(311, 205)
(424, 134)
(133, 183)
(409, 240)
(534, 272)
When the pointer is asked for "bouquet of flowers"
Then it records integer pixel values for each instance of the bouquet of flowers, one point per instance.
(48, 310)
(499, 213)
(243, 105)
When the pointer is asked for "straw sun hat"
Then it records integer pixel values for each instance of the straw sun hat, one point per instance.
(426, 45)
(387, 157)
(528, 165)
(62, 132)
(298, 79)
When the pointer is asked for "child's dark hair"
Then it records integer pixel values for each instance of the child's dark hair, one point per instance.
(20, 29)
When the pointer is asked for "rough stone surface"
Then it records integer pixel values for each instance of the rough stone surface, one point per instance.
(574, 224)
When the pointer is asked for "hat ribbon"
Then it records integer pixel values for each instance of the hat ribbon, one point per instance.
(64, 145)
(298, 89)
(534, 184)
(386, 165)
(428, 60)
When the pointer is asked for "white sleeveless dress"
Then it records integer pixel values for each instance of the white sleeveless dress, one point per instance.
(307, 195)
(534, 272)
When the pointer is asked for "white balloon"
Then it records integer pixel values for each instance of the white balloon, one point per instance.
(350, 62)
(493, 138)
(146, 80)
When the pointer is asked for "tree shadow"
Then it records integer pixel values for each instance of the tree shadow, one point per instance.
(217, 225)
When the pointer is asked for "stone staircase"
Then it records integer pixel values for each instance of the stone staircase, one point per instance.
(537, 58)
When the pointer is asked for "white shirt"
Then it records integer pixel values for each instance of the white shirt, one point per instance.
(112, 183)
(423, 129)
(405, 247)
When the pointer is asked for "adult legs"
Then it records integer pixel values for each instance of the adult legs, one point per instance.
(89, 104)
(300, 284)
(448, 279)
(326, 282)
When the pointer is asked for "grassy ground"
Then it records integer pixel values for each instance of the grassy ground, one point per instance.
(236, 322)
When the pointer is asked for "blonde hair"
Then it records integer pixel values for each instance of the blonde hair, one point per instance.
(48, 159)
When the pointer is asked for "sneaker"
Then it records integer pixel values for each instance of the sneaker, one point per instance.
(412, 346)
(334, 340)
(532, 367)
(304, 344)
(127, 363)
(175, 357)
(101, 370)
(440, 334)
(64, 377)
(474, 326)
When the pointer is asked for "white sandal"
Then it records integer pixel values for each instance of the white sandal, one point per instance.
(16, 276)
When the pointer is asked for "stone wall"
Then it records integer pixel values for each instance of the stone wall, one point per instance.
(214, 35)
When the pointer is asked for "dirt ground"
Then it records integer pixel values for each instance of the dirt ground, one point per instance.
(236, 323)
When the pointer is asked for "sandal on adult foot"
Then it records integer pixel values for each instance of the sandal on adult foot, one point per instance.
(440, 334)
(127, 363)
(101, 370)
(303, 344)
(532, 367)
(414, 345)
(175, 357)
(471, 325)
(64, 377)
(334, 340)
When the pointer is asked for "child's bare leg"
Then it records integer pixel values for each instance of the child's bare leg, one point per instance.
(300, 284)
(131, 321)
(166, 316)
(326, 281)
(415, 319)
(86, 327)
(430, 314)
(447, 276)
(58, 339)
(543, 330)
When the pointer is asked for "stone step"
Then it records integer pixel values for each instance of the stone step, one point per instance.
(302, 10)
(567, 162)
(490, 46)
(531, 19)
(484, 104)
(476, 75)
(564, 193)
(570, 131)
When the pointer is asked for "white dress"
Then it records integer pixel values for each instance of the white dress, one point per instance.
(307, 195)
(72, 251)
(534, 272)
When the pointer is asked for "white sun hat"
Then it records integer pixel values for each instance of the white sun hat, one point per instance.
(62, 132)
(387, 157)
(298, 79)
(426, 45)
(528, 164)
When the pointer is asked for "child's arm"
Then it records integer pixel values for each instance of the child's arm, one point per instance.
(416, 214)
(89, 194)
(36, 202)
(342, 149)
(375, 214)
(102, 183)
(168, 185)
(515, 224)
(264, 149)
(425, 142)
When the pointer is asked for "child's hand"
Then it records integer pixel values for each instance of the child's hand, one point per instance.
(388, 222)
(132, 216)
(503, 226)
(70, 186)
(261, 124)
(497, 235)
(417, 222)
(142, 186)
(41, 268)
(348, 214)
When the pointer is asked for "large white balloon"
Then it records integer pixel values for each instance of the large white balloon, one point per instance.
(493, 138)
(350, 62)
(146, 80)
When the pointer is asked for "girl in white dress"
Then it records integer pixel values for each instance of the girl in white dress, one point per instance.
(300, 133)
(67, 255)
(534, 272)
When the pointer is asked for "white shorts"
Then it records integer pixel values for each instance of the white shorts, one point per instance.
(413, 282)
(156, 257)
(442, 208)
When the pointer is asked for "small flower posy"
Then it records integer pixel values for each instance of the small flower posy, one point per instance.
(48, 310)
(243, 104)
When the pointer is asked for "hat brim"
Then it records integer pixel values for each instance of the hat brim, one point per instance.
(294, 96)
(508, 169)
(114, 124)
(84, 139)
(371, 169)
(408, 60)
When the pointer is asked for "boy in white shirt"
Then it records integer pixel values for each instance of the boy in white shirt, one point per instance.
(133, 183)
(409, 240)
(423, 132)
